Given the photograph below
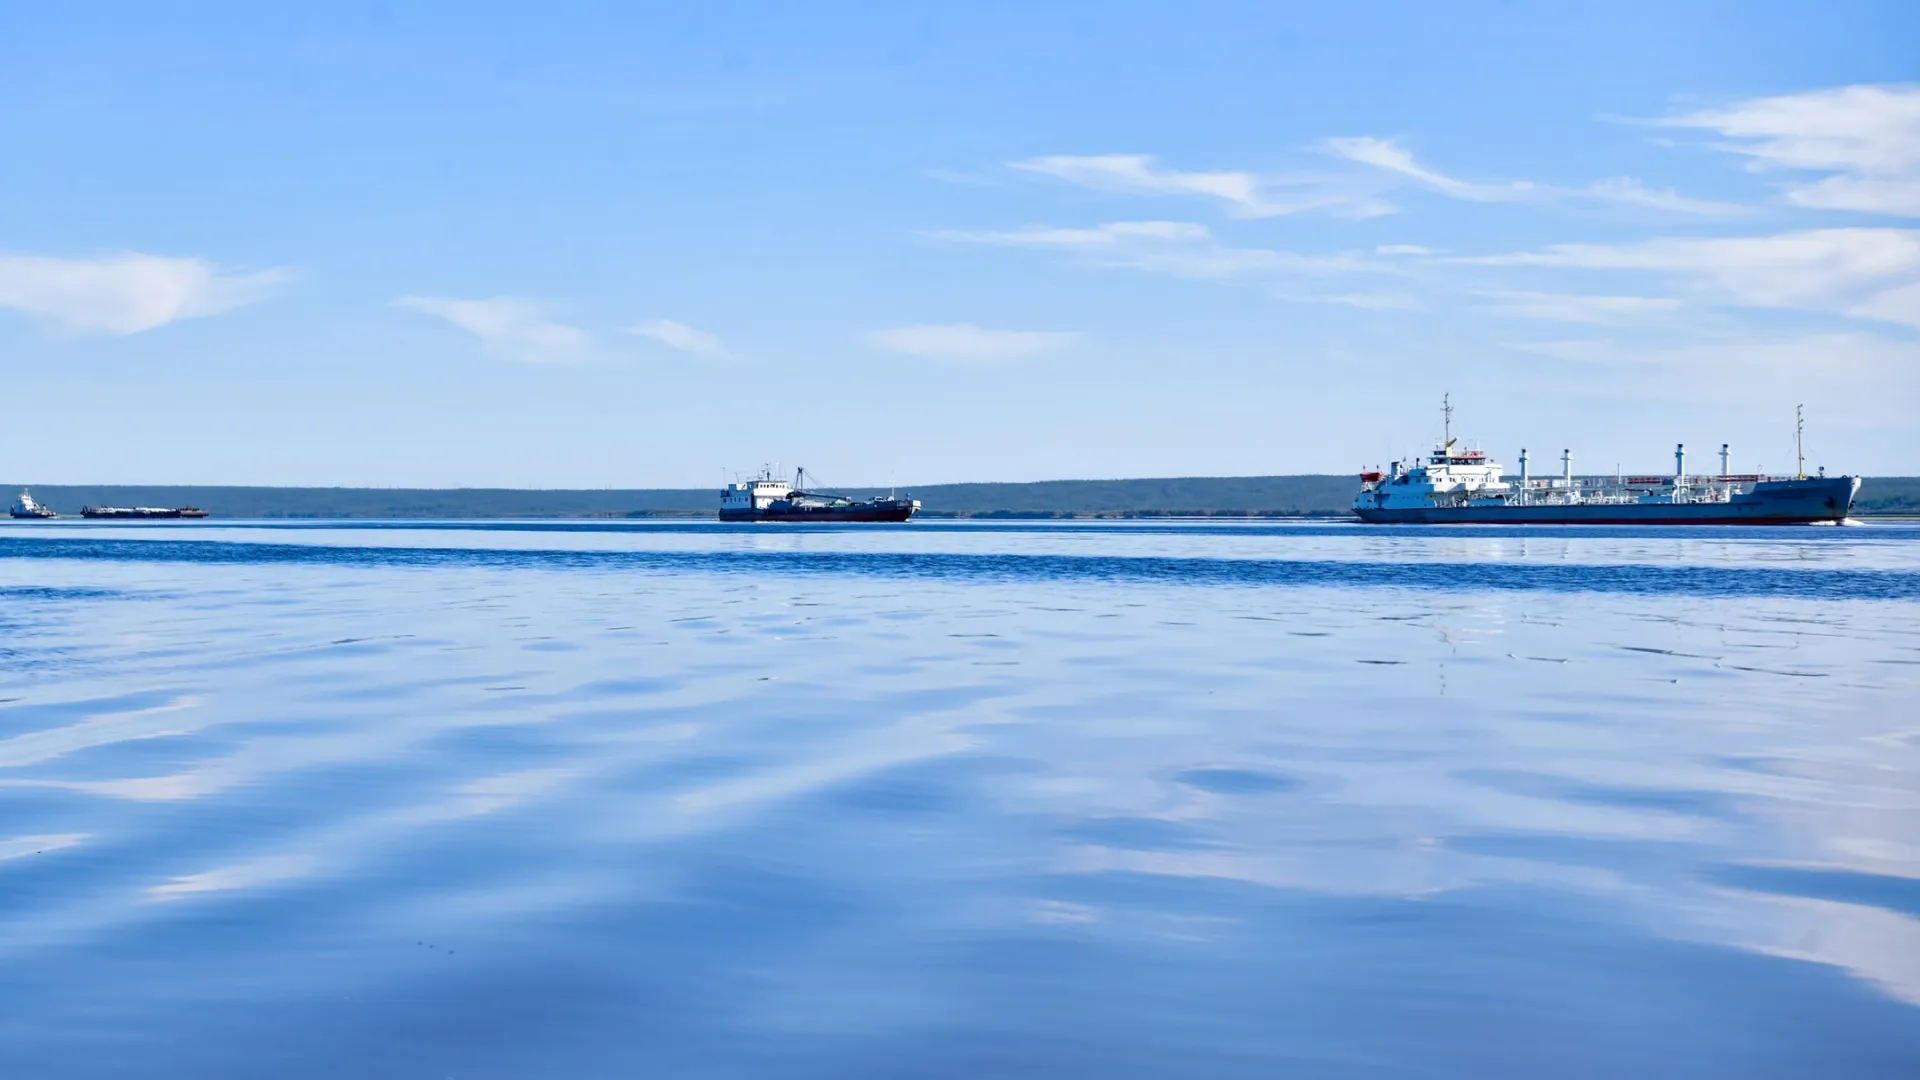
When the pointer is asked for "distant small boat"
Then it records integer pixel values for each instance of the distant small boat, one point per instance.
(141, 512)
(25, 507)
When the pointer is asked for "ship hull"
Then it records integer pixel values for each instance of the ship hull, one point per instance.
(141, 515)
(821, 514)
(1782, 502)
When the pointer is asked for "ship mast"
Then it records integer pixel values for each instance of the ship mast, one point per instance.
(1446, 412)
(1799, 442)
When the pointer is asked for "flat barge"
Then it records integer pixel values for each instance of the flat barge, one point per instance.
(141, 513)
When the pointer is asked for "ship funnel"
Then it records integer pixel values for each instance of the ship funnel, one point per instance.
(1725, 469)
(1679, 462)
(1523, 466)
(1566, 467)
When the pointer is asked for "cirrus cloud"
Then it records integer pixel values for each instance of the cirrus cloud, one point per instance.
(1869, 272)
(1246, 194)
(967, 343)
(1865, 137)
(1180, 249)
(1576, 307)
(128, 293)
(1390, 156)
(508, 326)
(679, 335)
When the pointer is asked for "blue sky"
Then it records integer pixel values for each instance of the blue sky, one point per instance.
(630, 245)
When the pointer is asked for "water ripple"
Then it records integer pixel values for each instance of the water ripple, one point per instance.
(1633, 579)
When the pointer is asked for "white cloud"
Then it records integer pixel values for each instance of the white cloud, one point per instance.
(1632, 192)
(509, 326)
(967, 179)
(1867, 138)
(1403, 249)
(1572, 352)
(1177, 248)
(1246, 194)
(126, 294)
(1372, 301)
(1577, 307)
(965, 342)
(1861, 271)
(1857, 381)
(1865, 378)
(680, 336)
(1900, 304)
(1390, 156)
(1111, 234)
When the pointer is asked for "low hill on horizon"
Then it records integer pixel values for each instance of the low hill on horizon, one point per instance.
(1206, 496)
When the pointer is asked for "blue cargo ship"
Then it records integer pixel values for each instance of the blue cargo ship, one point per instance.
(1463, 486)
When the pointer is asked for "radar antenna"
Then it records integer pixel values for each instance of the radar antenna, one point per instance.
(1799, 441)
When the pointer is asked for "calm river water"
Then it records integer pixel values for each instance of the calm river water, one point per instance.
(1114, 800)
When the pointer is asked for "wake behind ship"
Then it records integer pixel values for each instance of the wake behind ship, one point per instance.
(1463, 486)
(766, 498)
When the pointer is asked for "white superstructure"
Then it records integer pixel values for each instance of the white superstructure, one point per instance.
(754, 496)
(26, 507)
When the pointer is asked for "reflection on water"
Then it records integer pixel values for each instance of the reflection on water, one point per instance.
(1114, 800)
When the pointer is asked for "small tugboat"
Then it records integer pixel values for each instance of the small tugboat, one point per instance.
(141, 512)
(25, 507)
(766, 498)
(1460, 485)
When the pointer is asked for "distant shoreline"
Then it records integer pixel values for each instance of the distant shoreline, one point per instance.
(1209, 497)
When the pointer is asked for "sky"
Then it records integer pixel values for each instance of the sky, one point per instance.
(639, 245)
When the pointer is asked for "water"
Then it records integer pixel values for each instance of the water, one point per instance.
(584, 800)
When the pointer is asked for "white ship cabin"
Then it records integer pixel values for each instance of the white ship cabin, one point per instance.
(756, 494)
(1450, 476)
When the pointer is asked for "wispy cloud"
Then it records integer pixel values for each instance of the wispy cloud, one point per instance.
(967, 343)
(1866, 139)
(1900, 304)
(1181, 249)
(1403, 249)
(1866, 378)
(126, 294)
(1576, 307)
(1630, 192)
(1112, 234)
(509, 326)
(1869, 272)
(1246, 194)
(1390, 156)
(1368, 301)
(966, 178)
(680, 336)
